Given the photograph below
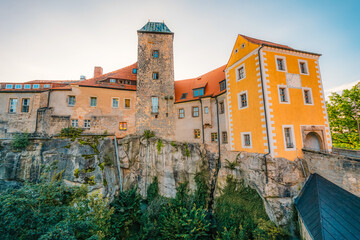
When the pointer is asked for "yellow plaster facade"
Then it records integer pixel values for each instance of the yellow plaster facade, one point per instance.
(294, 115)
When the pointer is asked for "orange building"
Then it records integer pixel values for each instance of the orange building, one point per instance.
(275, 99)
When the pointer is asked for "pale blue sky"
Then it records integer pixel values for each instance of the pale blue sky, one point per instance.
(65, 39)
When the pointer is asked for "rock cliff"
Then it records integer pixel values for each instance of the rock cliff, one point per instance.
(92, 161)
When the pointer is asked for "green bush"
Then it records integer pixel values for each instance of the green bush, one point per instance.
(71, 132)
(125, 221)
(20, 141)
(153, 190)
(159, 145)
(52, 211)
(148, 134)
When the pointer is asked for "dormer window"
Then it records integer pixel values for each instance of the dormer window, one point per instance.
(199, 92)
(18, 86)
(27, 86)
(156, 54)
(112, 80)
(134, 70)
(222, 85)
(183, 96)
(9, 86)
(47, 86)
(35, 86)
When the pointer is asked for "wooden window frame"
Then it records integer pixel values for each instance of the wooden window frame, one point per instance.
(193, 112)
(181, 115)
(197, 133)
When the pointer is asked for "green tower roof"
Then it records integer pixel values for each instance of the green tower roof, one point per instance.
(155, 27)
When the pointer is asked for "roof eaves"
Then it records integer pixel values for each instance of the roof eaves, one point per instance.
(291, 49)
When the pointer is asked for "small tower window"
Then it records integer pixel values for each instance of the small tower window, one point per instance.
(155, 75)
(156, 54)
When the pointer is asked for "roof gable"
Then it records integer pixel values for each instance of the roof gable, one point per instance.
(327, 210)
(242, 47)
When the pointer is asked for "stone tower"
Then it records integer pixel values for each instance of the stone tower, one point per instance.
(155, 81)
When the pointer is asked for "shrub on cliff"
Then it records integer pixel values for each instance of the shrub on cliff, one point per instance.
(20, 141)
(71, 132)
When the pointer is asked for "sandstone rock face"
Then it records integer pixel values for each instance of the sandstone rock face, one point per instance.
(93, 162)
(341, 170)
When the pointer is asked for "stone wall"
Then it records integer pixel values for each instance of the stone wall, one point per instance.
(163, 122)
(341, 170)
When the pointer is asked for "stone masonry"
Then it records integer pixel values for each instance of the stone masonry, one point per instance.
(163, 121)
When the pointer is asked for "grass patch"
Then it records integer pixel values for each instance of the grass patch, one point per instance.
(71, 132)
(148, 134)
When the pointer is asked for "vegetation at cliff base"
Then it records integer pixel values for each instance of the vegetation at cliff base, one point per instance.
(50, 210)
(344, 116)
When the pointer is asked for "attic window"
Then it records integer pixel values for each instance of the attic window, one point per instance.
(236, 50)
(242, 45)
(183, 96)
(134, 70)
(198, 92)
(222, 85)
(112, 80)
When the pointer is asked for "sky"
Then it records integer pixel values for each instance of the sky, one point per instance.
(61, 40)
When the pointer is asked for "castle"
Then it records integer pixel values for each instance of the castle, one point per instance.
(268, 98)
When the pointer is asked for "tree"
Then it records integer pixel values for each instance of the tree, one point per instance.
(343, 112)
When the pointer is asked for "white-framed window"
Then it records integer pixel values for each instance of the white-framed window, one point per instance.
(206, 110)
(8, 86)
(74, 123)
(181, 113)
(308, 98)
(246, 141)
(46, 85)
(289, 137)
(281, 63)
(155, 104)
(240, 72)
(303, 67)
(93, 101)
(71, 101)
(25, 105)
(243, 100)
(283, 94)
(127, 103)
(27, 86)
(115, 102)
(112, 80)
(13, 105)
(35, 86)
(18, 86)
(87, 123)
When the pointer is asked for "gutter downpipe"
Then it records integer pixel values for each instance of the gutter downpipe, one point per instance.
(218, 126)
(265, 112)
(202, 122)
(118, 162)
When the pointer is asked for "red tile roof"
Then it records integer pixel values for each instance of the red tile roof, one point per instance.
(125, 73)
(209, 80)
(258, 41)
(276, 45)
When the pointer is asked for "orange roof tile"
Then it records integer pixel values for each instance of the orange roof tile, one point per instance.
(271, 44)
(258, 41)
(125, 73)
(209, 80)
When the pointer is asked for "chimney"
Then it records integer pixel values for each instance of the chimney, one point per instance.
(98, 71)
